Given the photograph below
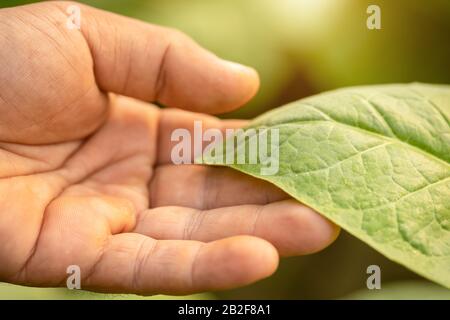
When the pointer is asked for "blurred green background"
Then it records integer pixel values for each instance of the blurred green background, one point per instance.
(301, 47)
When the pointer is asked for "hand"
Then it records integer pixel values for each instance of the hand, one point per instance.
(85, 173)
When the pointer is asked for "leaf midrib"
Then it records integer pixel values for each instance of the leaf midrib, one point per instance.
(362, 130)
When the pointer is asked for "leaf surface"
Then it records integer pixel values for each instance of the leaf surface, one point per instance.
(376, 161)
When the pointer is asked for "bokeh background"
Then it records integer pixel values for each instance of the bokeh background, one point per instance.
(301, 47)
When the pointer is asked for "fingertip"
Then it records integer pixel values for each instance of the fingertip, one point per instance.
(235, 261)
(299, 230)
(241, 85)
(317, 231)
(256, 254)
(323, 231)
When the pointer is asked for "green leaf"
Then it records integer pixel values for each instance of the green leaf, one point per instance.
(374, 160)
(13, 292)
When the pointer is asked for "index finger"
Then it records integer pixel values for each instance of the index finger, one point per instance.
(154, 63)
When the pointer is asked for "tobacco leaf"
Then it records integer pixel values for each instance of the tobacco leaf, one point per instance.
(375, 161)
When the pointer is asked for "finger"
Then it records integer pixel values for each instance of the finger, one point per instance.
(135, 263)
(154, 63)
(213, 187)
(291, 227)
(175, 119)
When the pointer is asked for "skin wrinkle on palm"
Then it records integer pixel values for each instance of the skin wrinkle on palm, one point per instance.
(374, 160)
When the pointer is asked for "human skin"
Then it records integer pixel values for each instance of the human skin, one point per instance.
(85, 172)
